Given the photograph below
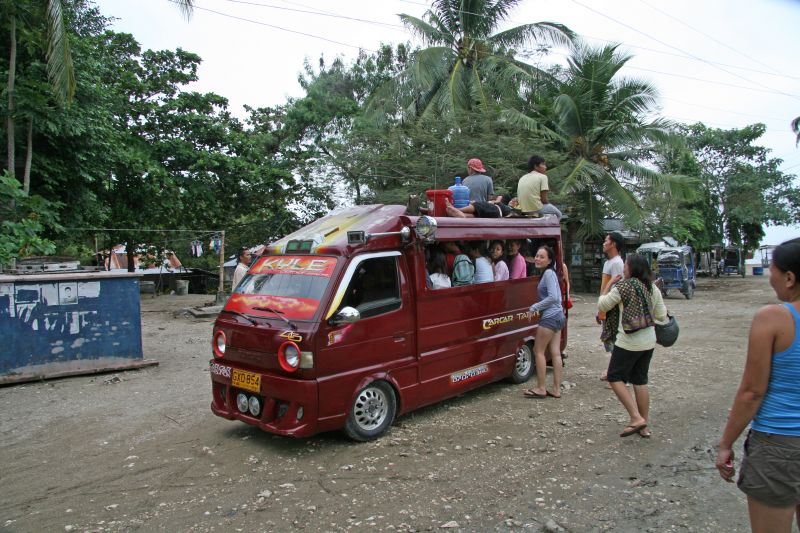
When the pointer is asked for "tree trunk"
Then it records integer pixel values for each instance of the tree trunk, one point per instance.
(12, 67)
(26, 176)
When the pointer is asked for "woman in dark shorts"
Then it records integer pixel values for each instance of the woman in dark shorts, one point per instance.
(551, 322)
(769, 397)
(632, 307)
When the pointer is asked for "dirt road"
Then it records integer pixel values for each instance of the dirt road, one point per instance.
(141, 450)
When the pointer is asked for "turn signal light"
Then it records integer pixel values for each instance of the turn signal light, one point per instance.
(218, 343)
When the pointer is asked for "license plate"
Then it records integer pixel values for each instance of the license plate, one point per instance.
(246, 380)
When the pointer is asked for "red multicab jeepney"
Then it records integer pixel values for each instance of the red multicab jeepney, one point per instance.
(334, 326)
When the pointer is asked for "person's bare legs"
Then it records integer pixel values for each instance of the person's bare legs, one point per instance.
(797, 512)
(642, 394)
(627, 401)
(558, 368)
(766, 519)
(464, 212)
(543, 338)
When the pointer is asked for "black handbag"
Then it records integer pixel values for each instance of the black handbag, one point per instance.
(667, 334)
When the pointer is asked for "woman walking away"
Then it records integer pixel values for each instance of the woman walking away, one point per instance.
(632, 307)
(551, 322)
(496, 252)
(769, 396)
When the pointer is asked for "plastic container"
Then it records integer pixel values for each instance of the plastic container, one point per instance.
(758, 271)
(182, 287)
(436, 199)
(460, 193)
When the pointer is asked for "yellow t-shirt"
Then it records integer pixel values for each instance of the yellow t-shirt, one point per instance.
(529, 191)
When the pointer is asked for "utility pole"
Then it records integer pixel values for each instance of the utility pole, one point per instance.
(221, 297)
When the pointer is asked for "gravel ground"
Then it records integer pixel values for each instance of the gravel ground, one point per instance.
(140, 450)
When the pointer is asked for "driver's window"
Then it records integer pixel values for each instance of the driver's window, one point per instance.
(374, 288)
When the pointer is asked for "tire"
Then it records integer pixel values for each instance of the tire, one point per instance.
(523, 365)
(372, 412)
(689, 292)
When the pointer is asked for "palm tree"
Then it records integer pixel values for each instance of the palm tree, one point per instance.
(465, 64)
(796, 129)
(599, 121)
(47, 18)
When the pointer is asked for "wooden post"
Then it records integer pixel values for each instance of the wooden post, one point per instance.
(221, 298)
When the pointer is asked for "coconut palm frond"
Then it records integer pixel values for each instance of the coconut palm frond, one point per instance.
(186, 7)
(517, 118)
(60, 70)
(427, 32)
(568, 115)
(548, 33)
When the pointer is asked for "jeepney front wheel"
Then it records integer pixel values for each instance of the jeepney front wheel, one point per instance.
(523, 365)
(372, 412)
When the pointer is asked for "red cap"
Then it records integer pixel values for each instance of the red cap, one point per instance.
(476, 164)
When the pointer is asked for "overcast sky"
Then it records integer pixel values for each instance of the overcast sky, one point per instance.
(726, 63)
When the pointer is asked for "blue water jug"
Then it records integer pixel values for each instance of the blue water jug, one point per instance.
(460, 193)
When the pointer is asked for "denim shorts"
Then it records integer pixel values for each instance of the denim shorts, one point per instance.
(770, 471)
(555, 322)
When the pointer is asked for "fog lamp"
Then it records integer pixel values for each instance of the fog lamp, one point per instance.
(255, 406)
(242, 403)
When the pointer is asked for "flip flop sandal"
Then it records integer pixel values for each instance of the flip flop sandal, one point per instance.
(631, 430)
(553, 395)
(530, 394)
(645, 435)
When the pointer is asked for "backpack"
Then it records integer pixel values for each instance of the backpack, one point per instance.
(463, 271)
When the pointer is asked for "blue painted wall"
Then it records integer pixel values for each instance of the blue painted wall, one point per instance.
(58, 319)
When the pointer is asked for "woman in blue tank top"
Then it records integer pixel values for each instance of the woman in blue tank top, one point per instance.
(769, 397)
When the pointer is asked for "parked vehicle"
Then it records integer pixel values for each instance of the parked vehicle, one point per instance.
(733, 258)
(676, 270)
(335, 327)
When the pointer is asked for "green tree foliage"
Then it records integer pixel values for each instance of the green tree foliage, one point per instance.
(465, 65)
(743, 187)
(23, 221)
(599, 122)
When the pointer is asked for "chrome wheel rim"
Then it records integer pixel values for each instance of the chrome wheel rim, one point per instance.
(524, 360)
(370, 409)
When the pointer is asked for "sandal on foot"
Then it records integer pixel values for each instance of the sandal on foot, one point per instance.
(630, 430)
(529, 393)
(645, 433)
(553, 395)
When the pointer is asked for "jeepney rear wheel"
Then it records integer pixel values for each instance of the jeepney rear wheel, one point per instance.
(523, 365)
(372, 412)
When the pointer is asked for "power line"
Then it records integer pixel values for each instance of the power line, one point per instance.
(709, 36)
(279, 28)
(680, 50)
(317, 12)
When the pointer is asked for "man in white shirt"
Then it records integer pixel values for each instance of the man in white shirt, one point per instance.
(614, 266)
(241, 268)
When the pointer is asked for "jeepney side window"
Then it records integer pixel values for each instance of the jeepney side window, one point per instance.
(375, 288)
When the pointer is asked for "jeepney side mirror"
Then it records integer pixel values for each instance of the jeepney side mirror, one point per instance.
(346, 315)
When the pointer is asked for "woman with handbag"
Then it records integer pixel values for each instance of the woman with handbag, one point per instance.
(769, 400)
(632, 308)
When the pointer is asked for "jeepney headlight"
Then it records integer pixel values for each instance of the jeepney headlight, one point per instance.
(218, 344)
(300, 412)
(242, 403)
(289, 356)
(255, 406)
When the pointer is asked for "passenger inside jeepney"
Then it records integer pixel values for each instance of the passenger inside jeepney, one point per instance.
(436, 267)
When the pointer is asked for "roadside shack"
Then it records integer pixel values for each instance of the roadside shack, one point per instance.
(57, 324)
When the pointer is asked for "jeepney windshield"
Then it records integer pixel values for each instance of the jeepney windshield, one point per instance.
(285, 285)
